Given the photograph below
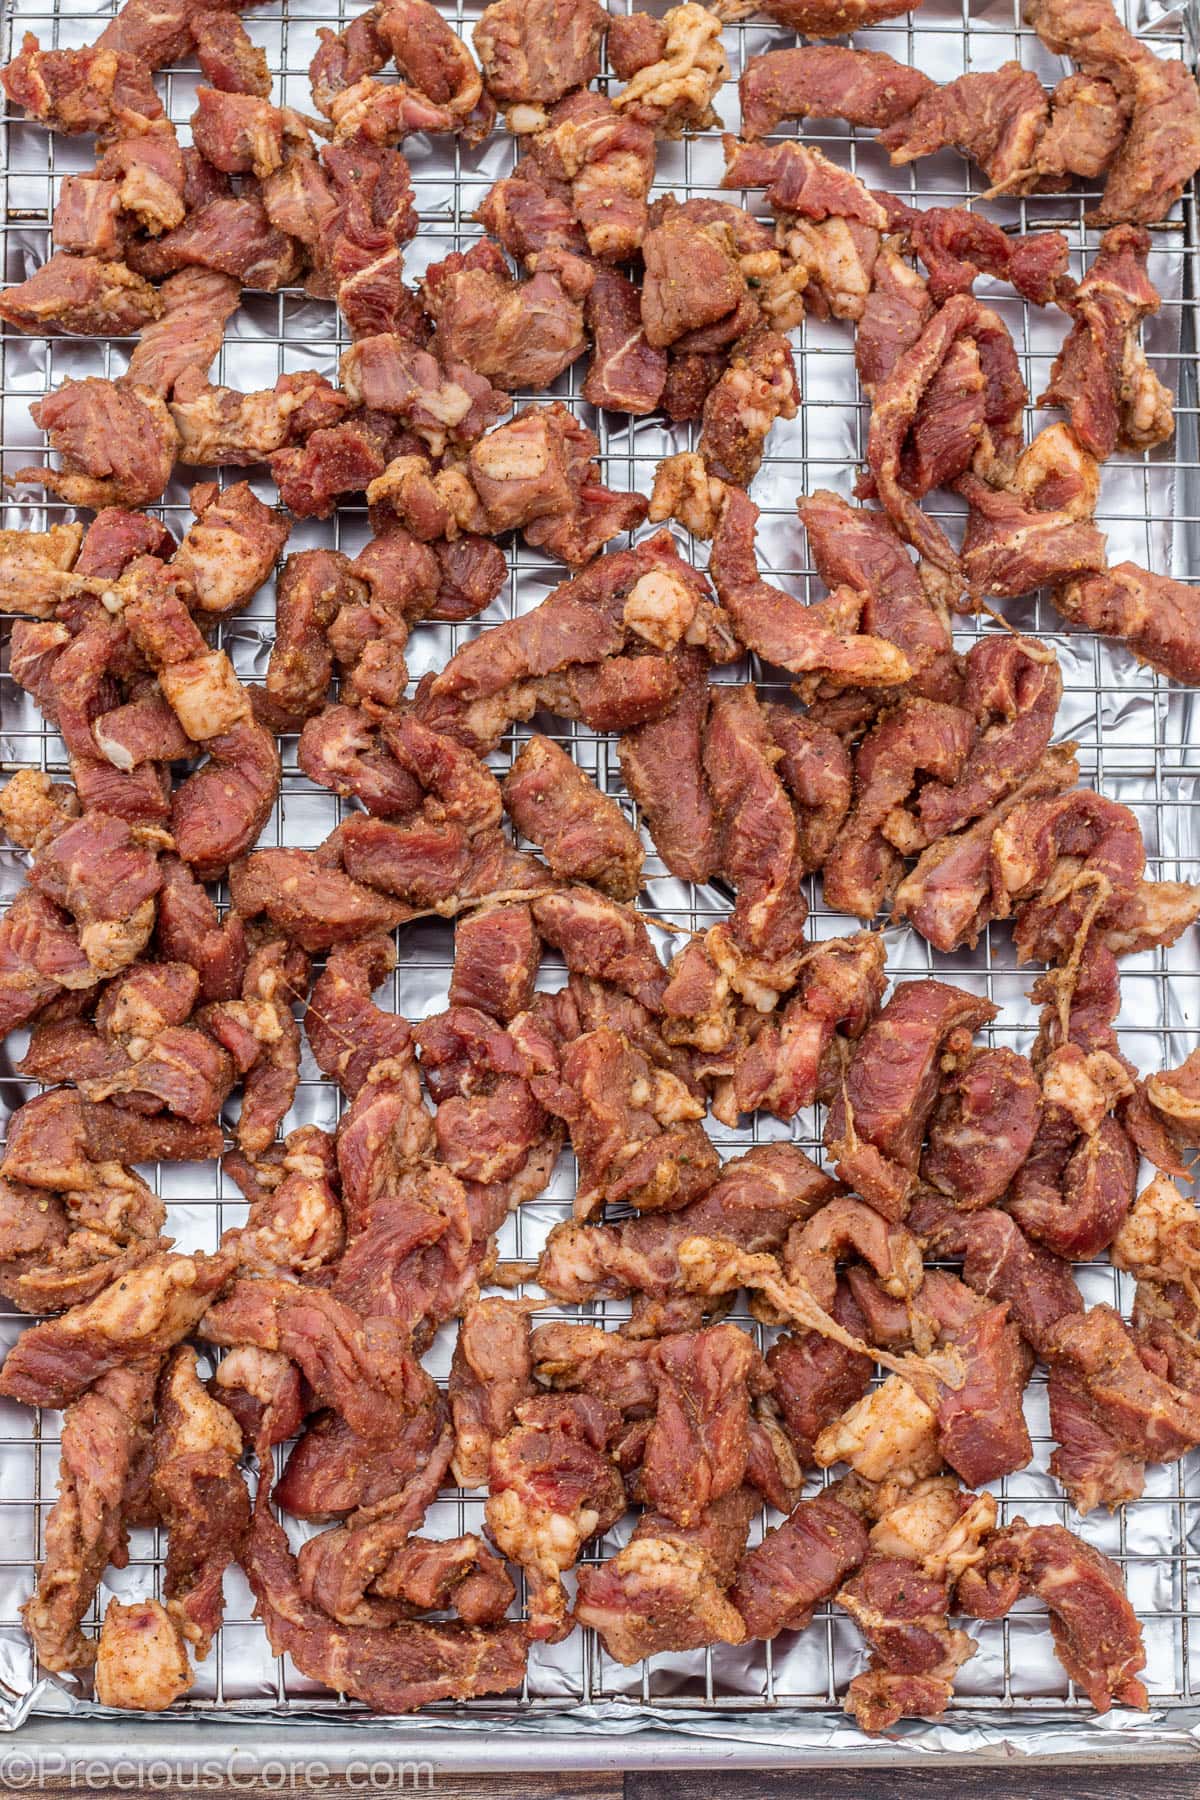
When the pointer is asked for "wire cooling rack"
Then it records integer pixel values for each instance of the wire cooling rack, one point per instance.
(1138, 742)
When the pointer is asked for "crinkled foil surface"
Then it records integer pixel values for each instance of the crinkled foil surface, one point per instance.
(1139, 741)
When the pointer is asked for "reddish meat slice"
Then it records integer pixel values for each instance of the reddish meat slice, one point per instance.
(816, 1379)
(598, 937)
(662, 767)
(139, 1317)
(1060, 863)
(117, 444)
(626, 373)
(1001, 1263)
(798, 1564)
(397, 1670)
(827, 81)
(1013, 686)
(227, 56)
(517, 334)
(1101, 378)
(859, 549)
(347, 1033)
(537, 53)
(996, 117)
(698, 1444)
(1096, 1635)
(80, 294)
(551, 1486)
(103, 1445)
(876, 1124)
(1156, 616)
(102, 88)
(200, 1497)
(496, 956)
(363, 1368)
(230, 234)
(196, 306)
(583, 832)
(313, 903)
(666, 1589)
(918, 737)
(491, 1372)
(983, 1126)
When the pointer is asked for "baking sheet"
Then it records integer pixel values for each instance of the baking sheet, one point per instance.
(1139, 742)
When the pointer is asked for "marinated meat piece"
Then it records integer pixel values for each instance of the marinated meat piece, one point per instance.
(673, 68)
(902, 1596)
(1101, 378)
(698, 1445)
(117, 444)
(1012, 546)
(786, 1063)
(141, 1663)
(1160, 150)
(358, 245)
(1155, 615)
(228, 58)
(87, 217)
(995, 117)
(974, 1380)
(496, 956)
(231, 549)
(1000, 1263)
(634, 1128)
(956, 246)
(597, 937)
(666, 1589)
(412, 1259)
(1013, 686)
(856, 548)
(715, 288)
(757, 832)
(199, 1496)
(1097, 1637)
(983, 1126)
(196, 306)
(949, 894)
(918, 737)
(396, 1670)
(603, 161)
(97, 871)
(816, 1379)
(363, 1368)
(240, 134)
(798, 1564)
(230, 234)
(826, 81)
(758, 386)
(876, 1124)
(333, 1471)
(314, 904)
(517, 334)
(104, 1438)
(430, 55)
(490, 1374)
(583, 833)
(441, 405)
(98, 89)
(341, 459)
(626, 374)
(188, 930)
(895, 411)
(383, 113)
(40, 957)
(551, 1486)
(753, 1202)
(80, 294)
(347, 1033)
(1060, 864)
(140, 1317)
(647, 595)
(1077, 1185)
(1115, 1388)
(533, 55)
(829, 18)
(662, 767)
(218, 426)
(342, 749)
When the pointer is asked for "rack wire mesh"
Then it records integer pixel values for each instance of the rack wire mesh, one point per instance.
(1138, 741)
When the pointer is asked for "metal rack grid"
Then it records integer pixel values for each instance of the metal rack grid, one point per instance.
(1138, 741)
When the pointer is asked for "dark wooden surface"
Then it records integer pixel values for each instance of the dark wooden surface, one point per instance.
(1128, 1783)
